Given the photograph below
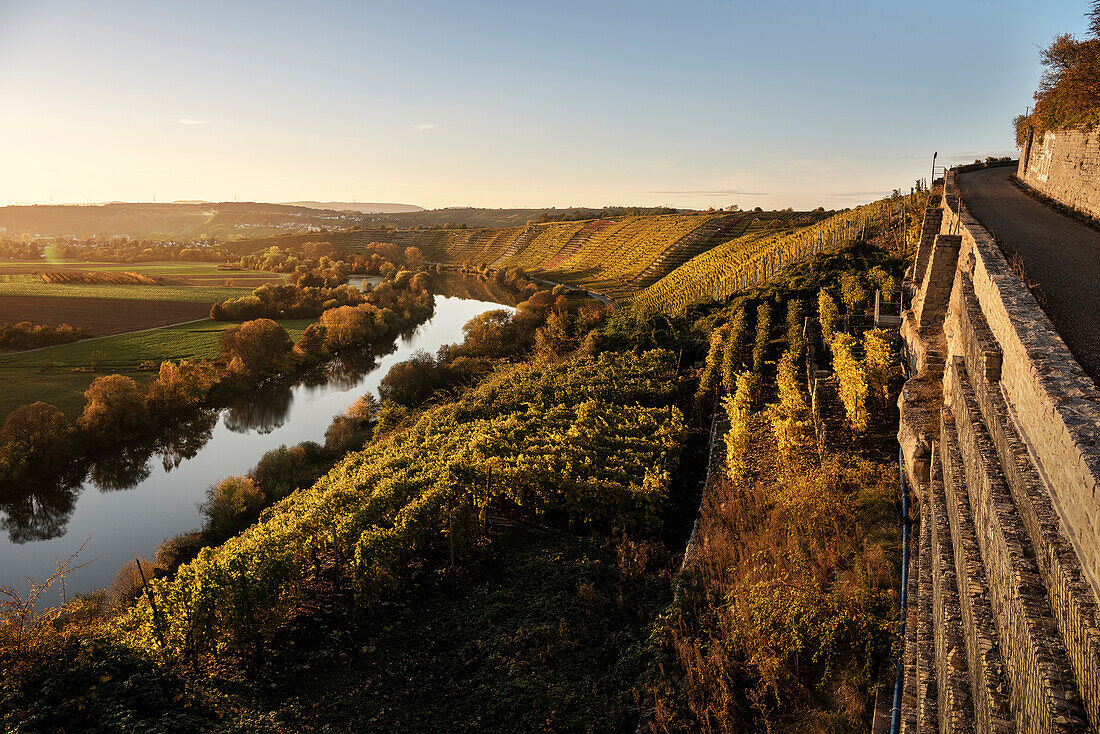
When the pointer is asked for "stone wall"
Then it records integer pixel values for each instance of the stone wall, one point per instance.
(1064, 165)
(1000, 430)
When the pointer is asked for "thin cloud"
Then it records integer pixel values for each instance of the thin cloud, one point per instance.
(425, 126)
(189, 121)
(709, 192)
(850, 194)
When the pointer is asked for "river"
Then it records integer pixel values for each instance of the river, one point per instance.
(128, 502)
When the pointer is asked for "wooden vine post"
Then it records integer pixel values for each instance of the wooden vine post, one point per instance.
(157, 621)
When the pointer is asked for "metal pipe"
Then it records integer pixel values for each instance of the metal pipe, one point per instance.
(895, 712)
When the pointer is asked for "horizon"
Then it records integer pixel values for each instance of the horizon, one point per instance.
(495, 108)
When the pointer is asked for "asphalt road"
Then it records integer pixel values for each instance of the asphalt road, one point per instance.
(1059, 253)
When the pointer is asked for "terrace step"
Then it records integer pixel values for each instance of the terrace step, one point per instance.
(574, 243)
(1042, 687)
(521, 241)
(694, 243)
(955, 700)
(989, 690)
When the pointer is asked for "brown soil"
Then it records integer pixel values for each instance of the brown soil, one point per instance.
(99, 316)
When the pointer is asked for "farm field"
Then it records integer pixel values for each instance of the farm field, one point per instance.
(176, 273)
(28, 285)
(47, 374)
(102, 317)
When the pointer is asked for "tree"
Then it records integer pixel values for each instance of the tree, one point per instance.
(114, 404)
(261, 346)
(853, 292)
(230, 506)
(97, 360)
(34, 437)
(349, 326)
(180, 386)
(413, 257)
(413, 381)
(311, 344)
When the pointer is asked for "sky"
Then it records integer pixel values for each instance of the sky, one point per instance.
(509, 104)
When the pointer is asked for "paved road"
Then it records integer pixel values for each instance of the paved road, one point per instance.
(1059, 253)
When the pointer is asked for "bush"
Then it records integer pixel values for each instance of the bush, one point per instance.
(175, 551)
(828, 314)
(280, 471)
(114, 406)
(261, 346)
(413, 381)
(230, 506)
(35, 438)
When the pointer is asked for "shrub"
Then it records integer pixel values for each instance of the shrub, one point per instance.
(731, 354)
(790, 415)
(878, 356)
(704, 394)
(763, 337)
(230, 506)
(851, 381)
(259, 347)
(796, 318)
(175, 551)
(114, 404)
(738, 407)
(828, 314)
(35, 438)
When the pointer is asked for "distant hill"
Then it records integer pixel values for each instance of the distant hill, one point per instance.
(357, 206)
(475, 217)
(227, 220)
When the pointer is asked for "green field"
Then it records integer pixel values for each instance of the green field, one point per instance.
(22, 285)
(167, 267)
(47, 374)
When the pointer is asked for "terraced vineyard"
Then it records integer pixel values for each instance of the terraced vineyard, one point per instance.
(617, 256)
(752, 258)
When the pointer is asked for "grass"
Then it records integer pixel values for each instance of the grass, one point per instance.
(194, 294)
(47, 374)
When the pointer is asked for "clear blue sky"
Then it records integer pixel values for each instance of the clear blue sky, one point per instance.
(691, 104)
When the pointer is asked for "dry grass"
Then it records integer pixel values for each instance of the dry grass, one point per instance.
(787, 604)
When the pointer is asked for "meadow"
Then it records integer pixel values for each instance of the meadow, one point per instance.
(50, 374)
(29, 285)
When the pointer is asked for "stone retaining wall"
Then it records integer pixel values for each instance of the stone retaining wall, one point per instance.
(1055, 404)
(1065, 165)
(1000, 431)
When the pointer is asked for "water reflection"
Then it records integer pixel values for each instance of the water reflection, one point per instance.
(122, 467)
(41, 513)
(262, 410)
(182, 441)
(167, 474)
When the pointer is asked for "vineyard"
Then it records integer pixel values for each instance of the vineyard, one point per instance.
(616, 256)
(97, 278)
(586, 443)
(755, 258)
(497, 551)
